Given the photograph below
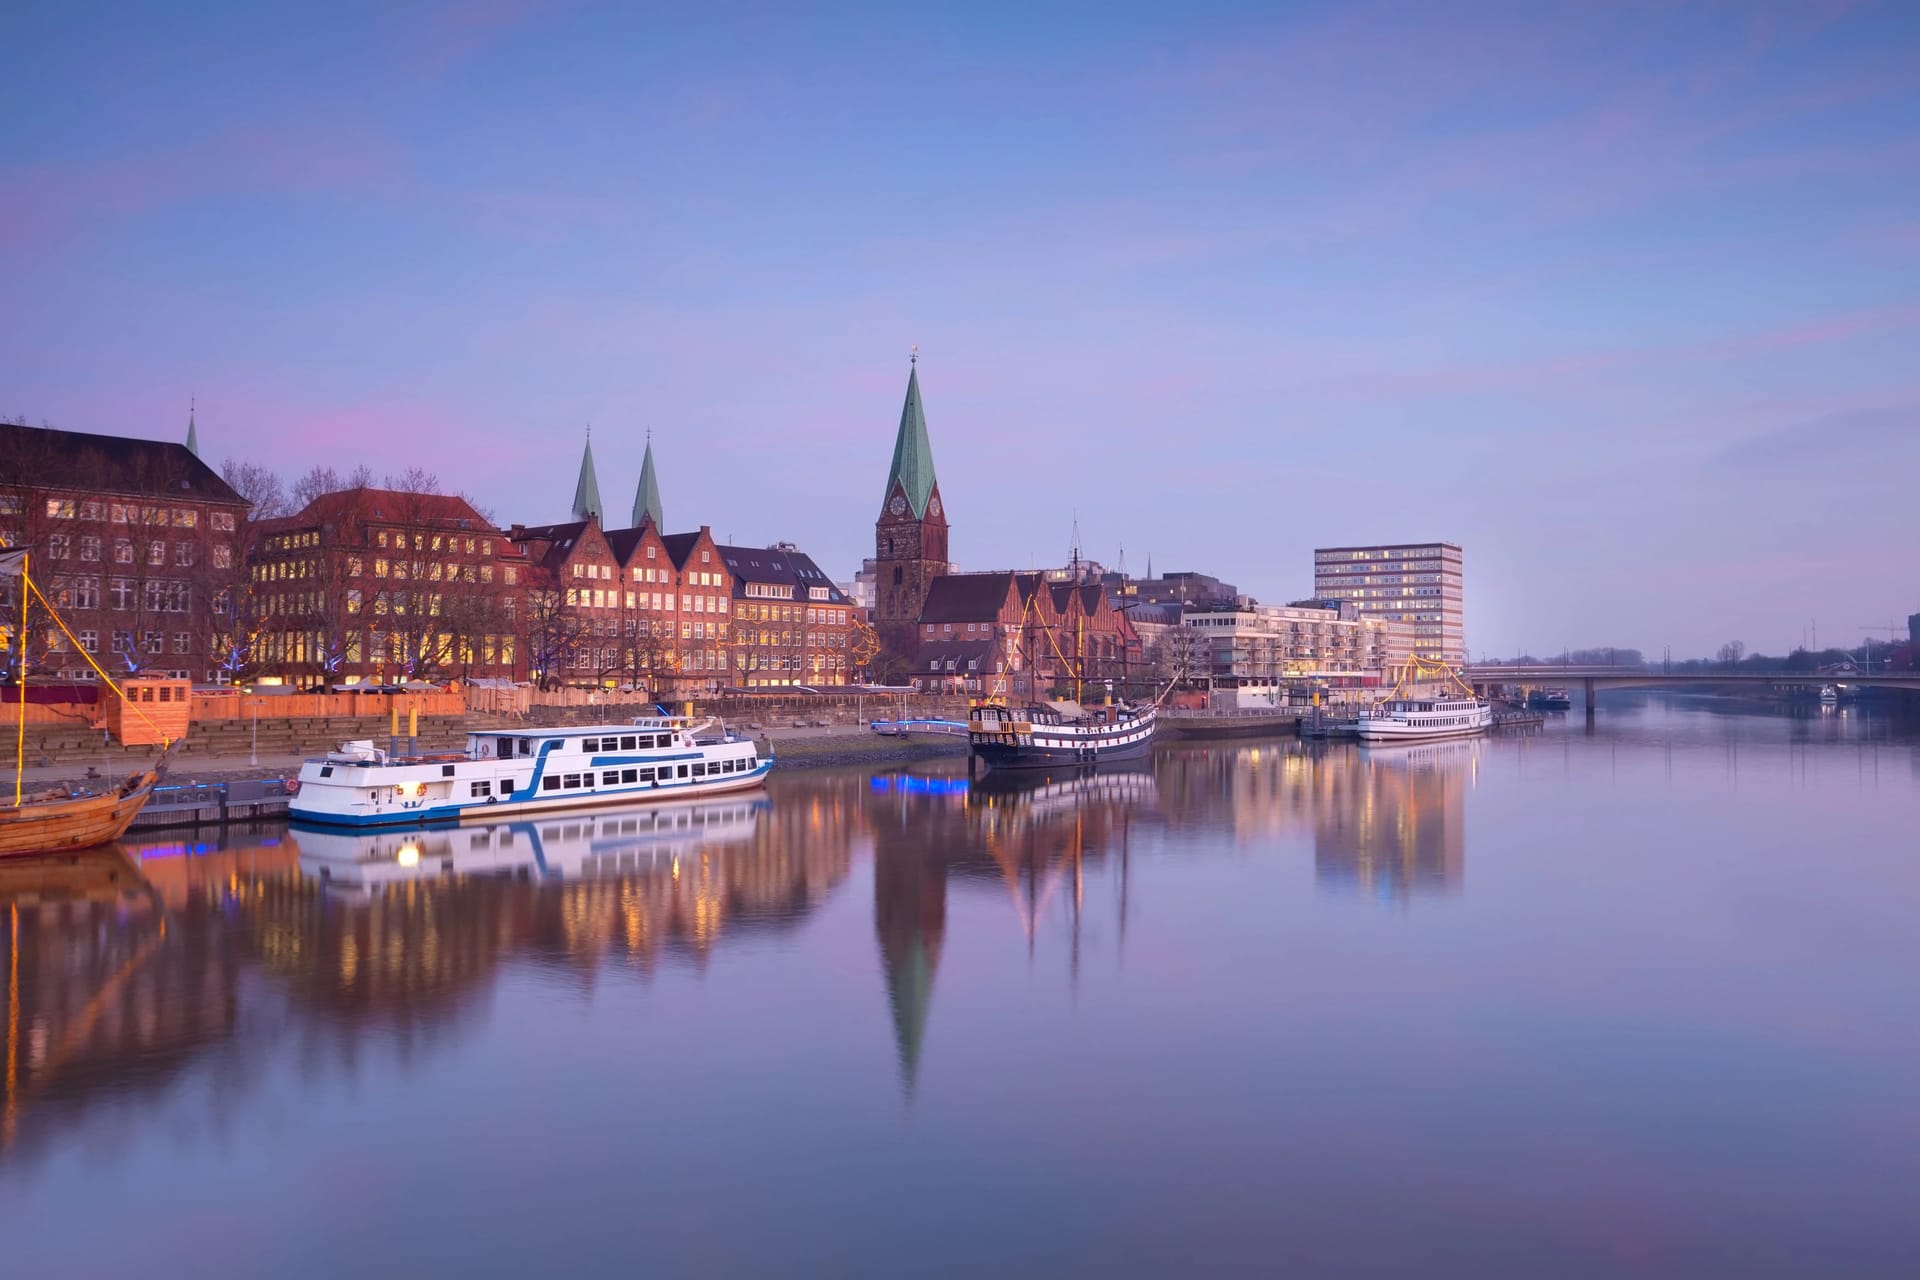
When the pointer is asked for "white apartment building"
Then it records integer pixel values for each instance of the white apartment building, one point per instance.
(1281, 655)
(1418, 583)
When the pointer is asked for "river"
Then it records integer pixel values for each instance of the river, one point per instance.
(1639, 1000)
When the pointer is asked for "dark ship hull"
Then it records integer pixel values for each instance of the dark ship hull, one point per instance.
(1043, 738)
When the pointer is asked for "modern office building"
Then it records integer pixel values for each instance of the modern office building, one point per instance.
(1418, 583)
(1256, 656)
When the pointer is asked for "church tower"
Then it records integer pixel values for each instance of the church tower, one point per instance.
(910, 537)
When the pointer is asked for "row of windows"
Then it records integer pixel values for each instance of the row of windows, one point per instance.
(122, 513)
(151, 642)
(397, 540)
(124, 594)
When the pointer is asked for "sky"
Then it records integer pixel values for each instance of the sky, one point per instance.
(1624, 299)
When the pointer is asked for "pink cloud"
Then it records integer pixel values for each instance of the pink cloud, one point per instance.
(295, 159)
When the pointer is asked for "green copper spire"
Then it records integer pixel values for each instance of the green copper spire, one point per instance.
(912, 452)
(646, 499)
(193, 436)
(586, 494)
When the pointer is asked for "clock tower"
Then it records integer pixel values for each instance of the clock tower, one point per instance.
(910, 537)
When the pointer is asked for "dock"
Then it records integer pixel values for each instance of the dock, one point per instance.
(905, 728)
(209, 804)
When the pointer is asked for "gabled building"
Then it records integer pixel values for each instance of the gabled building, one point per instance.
(573, 603)
(791, 625)
(1016, 635)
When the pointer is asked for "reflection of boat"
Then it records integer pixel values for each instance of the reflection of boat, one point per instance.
(100, 874)
(509, 772)
(64, 819)
(1041, 794)
(1056, 734)
(587, 845)
(1446, 755)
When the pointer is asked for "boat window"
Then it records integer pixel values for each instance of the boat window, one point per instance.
(700, 769)
(571, 780)
(504, 748)
(646, 775)
(683, 771)
(589, 744)
(611, 778)
(664, 740)
(629, 775)
(550, 784)
(482, 788)
(627, 743)
(326, 771)
(446, 771)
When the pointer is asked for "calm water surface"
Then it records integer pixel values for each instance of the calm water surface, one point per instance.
(1640, 1001)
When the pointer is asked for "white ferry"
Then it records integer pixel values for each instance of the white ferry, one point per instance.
(1420, 719)
(507, 772)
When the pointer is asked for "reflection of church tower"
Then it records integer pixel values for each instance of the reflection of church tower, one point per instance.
(910, 916)
(910, 537)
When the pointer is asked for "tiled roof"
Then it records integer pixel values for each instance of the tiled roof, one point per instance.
(109, 464)
(555, 542)
(966, 597)
(680, 546)
(779, 566)
(934, 655)
(624, 542)
(390, 506)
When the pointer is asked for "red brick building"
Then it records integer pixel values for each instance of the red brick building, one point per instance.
(791, 626)
(136, 542)
(384, 585)
(1018, 636)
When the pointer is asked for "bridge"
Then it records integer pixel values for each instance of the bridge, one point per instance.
(1593, 679)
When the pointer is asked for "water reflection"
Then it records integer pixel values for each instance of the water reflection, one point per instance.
(124, 961)
(1403, 828)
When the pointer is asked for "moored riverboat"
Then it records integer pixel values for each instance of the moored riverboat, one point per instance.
(1057, 734)
(507, 772)
(1418, 719)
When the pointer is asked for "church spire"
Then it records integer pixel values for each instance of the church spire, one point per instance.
(912, 466)
(586, 494)
(646, 498)
(193, 434)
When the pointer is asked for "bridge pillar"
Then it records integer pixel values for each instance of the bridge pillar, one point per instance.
(1588, 682)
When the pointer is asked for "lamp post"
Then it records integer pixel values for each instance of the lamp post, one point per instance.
(253, 753)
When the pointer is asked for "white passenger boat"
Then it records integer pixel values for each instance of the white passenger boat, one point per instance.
(1419, 719)
(1409, 716)
(507, 772)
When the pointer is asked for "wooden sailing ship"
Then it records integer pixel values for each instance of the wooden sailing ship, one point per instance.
(62, 818)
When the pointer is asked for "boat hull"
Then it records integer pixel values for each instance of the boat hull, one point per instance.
(1389, 732)
(1002, 756)
(54, 826)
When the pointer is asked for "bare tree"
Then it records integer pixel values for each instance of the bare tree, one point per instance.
(1731, 652)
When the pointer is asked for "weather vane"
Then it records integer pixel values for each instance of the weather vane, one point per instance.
(913, 356)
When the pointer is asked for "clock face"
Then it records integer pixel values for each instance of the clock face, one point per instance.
(934, 506)
(898, 505)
